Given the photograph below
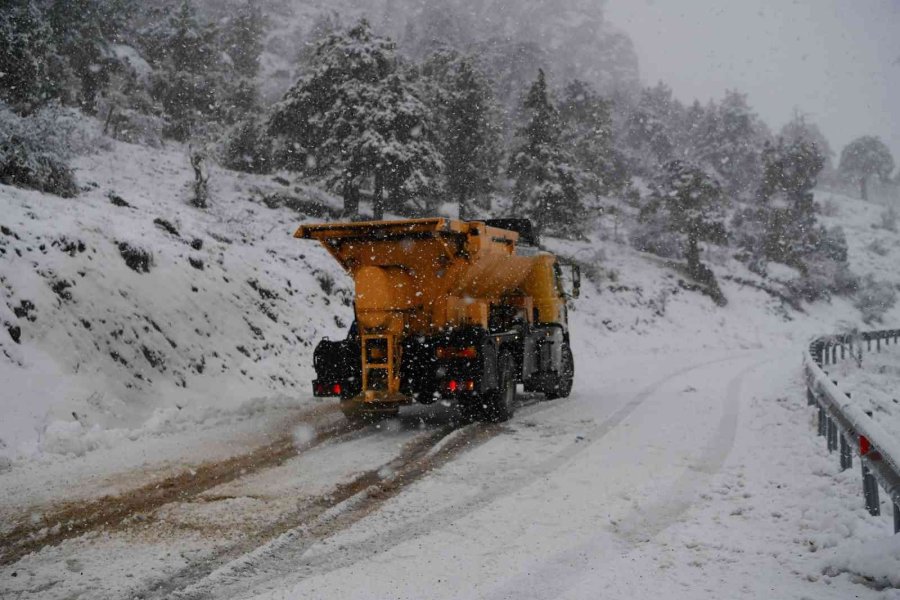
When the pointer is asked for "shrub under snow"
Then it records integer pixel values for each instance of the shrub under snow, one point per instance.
(34, 150)
(874, 298)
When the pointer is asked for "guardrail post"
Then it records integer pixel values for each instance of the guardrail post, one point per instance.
(896, 519)
(832, 435)
(834, 355)
(821, 431)
(843, 352)
(878, 344)
(846, 454)
(870, 491)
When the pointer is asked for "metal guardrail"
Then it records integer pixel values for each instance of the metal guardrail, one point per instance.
(845, 426)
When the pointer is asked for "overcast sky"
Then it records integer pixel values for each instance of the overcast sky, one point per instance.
(837, 60)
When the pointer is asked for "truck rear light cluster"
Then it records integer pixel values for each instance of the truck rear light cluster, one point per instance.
(333, 389)
(451, 352)
(467, 385)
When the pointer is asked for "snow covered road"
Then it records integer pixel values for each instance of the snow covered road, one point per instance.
(692, 475)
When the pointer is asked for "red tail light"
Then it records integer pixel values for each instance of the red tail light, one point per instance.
(336, 389)
(469, 352)
(452, 385)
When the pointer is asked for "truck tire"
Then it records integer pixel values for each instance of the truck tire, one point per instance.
(499, 405)
(562, 386)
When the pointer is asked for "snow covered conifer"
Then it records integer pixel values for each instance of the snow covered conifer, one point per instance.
(588, 132)
(782, 226)
(189, 77)
(791, 169)
(864, 158)
(243, 37)
(546, 182)
(83, 33)
(191, 45)
(801, 129)
(650, 128)
(690, 204)
(467, 128)
(352, 116)
(26, 51)
(730, 143)
(392, 134)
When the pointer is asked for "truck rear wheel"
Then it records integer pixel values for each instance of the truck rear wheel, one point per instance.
(562, 385)
(499, 405)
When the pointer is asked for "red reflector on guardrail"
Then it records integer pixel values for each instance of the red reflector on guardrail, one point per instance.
(864, 446)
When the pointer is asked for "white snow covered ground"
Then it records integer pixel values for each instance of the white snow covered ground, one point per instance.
(684, 465)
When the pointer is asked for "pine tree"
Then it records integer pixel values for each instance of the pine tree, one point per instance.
(730, 144)
(190, 45)
(864, 158)
(650, 129)
(353, 116)
(26, 52)
(189, 79)
(243, 38)
(83, 33)
(782, 227)
(546, 184)
(801, 129)
(691, 205)
(791, 168)
(391, 132)
(588, 132)
(467, 128)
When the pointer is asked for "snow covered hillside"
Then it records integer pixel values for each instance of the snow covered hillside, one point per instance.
(126, 308)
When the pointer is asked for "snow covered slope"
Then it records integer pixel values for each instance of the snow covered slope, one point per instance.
(217, 307)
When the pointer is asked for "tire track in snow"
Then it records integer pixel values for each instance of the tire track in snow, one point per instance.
(286, 561)
(564, 570)
(70, 520)
(273, 550)
(654, 517)
(339, 508)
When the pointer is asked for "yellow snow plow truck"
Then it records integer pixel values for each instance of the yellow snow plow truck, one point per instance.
(446, 309)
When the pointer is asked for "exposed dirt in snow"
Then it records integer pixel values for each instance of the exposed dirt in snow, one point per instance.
(72, 519)
(229, 519)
